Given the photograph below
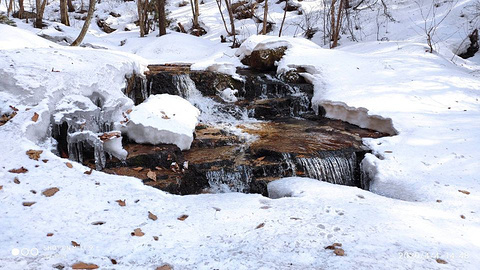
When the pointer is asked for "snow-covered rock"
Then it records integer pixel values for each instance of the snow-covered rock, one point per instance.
(163, 119)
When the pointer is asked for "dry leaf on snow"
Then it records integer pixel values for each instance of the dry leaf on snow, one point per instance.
(75, 244)
(152, 175)
(50, 191)
(121, 203)
(464, 192)
(16, 181)
(69, 165)
(138, 232)
(19, 170)
(339, 252)
(261, 225)
(152, 216)
(28, 203)
(34, 154)
(82, 265)
(182, 217)
(35, 117)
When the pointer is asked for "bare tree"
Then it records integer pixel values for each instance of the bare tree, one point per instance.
(64, 13)
(232, 22)
(431, 20)
(142, 7)
(219, 4)
(86, 25)
(336, 17)
(40, 8)
(162, 18)
(265, 14)
(195, 13)
(283, 20)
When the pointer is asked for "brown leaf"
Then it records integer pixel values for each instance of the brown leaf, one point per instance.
(113, 261)
(19, 170)
(152, 216)
(152, 175)
(441, 261)
(137, 169)
(28, 203)
(82, 265)
(138, 232)
(50, 191)
(45, 160)
(464, 191)
(49, 234)
(129, 111)
(1, 187)
(339, 252)
(155, 238)
(34, 154)
(261, 225)
(165, 267)
(69, 165)
(13, 108)
(334, 246)
(159, 168)
(75, 244)
(88, 172)
(260, 159)
(121, 203)
(16, 181)
(35, 117)
(462, 216)
(182, 217)
(439, 201)
(98, 223)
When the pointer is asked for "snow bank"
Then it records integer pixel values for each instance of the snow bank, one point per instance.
(163, 119)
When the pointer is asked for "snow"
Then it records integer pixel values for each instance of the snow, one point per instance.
(163, 119)
(228, 95)
(410, 216)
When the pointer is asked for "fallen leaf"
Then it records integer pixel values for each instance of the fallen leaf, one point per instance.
(165, 267)
(75, 244)
(339, 252)
(334, 246)
(1, 187)
(49, 234)
(45, 160)
(129, 111)
(113, 261)
(152, 216)
(98, 223)
(137, 169)
(152, 175)
(19, 170)
(182, 217)
(33, 191)
(464, 191)
(261, 225)
(155, 238)
(260, 159)
(121, 203)
(35, 117)
(82, 265)
(16, 181)
(34, 154)
(88, 172)
(13, 108)
(439, 201)
(28, 203)
(50, 191)
(440, 261)
(69, 165)
(159, 168)
(462, 216)
(138, 232)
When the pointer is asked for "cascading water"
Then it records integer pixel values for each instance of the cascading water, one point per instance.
(222, 181)
(331, 166)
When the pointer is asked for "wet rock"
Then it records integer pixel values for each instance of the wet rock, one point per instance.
(264, 59)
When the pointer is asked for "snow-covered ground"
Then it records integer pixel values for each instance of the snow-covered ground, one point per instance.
(424, 202)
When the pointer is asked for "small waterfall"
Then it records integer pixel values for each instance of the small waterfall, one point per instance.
(223, 181)
(212, 112)
(291, 166)
(75, 144)
(332, 166)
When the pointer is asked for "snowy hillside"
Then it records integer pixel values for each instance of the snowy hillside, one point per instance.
(420, 210)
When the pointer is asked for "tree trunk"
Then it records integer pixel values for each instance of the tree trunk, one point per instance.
(71, 8)
(21, 9)
(232, 22)
(40, 8)
(64, 13)
(219, 4)
(197, 14)
(337, 25)
(141, 17)
(162, 19)
(86, 25)
(283, 20)
(10, 8)
(265, 13)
